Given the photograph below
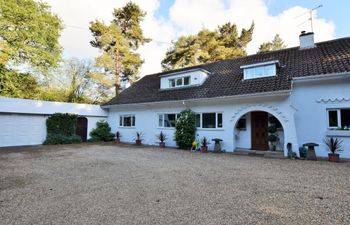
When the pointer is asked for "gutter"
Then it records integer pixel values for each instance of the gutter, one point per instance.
(234, 97)
(322, 77)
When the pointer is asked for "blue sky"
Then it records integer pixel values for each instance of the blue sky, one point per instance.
(166, 20)
(334, 10)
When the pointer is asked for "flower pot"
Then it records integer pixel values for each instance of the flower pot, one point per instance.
(333, 157)
(138, 142)
(117, 141)
(161, 145)
(204, 149)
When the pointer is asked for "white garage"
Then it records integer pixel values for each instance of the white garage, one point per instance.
(23, 122)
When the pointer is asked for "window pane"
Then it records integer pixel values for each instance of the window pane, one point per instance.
(186, 80)
(171, 83)
(160, 120)
(179, 82)
(127, 121)
(249, 73)
(345, 118)
(208, 120)
(270, 70)
(198, 120)
(333, 118)
(219, 119)
(259, 71)
(121, 121)
(133, 121)
(169, 120)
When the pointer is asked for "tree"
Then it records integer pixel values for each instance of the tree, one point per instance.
(119, 42)
(185, 129)
(29, 34)
(276, 44)
(208, 46)
(18, 85)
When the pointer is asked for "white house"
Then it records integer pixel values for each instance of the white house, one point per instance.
(305, 88)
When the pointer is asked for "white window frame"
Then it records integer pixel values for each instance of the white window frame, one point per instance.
(182, 81)
(133, 120)
(163, 117)
(216, 121)
(259, 65)
(339, 125)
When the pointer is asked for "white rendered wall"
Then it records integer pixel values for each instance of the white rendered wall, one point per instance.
(147, 120)
(311, 100)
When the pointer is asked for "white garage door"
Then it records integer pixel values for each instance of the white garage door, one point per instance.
(16, 129)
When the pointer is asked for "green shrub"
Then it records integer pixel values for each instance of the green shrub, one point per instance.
(55, 139)
(185, 129)
(61, 129)
(102, 132)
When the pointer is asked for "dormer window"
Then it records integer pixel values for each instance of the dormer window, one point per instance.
(179, 82)
(258, 70)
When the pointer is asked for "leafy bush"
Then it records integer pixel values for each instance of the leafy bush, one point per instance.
(61, 129)
(55, 139)
(185, 129)
(61, 123)
(102, 132)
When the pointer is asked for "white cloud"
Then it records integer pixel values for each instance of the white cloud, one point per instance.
(185, 17)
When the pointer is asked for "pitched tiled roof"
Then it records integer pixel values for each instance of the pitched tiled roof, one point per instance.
(226, 77)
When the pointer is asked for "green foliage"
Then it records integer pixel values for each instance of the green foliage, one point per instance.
(55, 139)
(102, 132)
(161, 136)
(119, 42)
(18, 85)
(61, 129)
(208, 46)
(29, 34)
(334, 145)
(185, 129)
(276, 44)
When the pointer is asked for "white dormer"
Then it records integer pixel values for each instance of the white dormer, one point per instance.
(258, 70)
(188, 78)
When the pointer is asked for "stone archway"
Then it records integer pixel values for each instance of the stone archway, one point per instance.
(285, 116)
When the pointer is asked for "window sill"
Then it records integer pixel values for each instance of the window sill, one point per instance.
(166, 128)
(338, 133)
(127, 127)
(210, 129)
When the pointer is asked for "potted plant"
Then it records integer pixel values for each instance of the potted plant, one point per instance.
(138, 138)
(334, 147)
(117, 137)
(161, 137)
(272, 138)
(204, 145)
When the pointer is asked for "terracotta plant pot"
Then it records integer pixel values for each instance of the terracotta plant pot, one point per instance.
(161, 144)
(117, 141)
(333, 157)
(138, 142)
(204, 149)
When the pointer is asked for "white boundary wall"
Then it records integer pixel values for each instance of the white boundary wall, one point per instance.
(23, 121)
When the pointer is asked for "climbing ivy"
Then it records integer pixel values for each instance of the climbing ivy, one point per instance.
(185, 129)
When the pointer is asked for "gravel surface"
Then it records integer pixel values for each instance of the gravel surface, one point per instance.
(109, 184)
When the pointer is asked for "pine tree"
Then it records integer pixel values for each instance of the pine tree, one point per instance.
(119, 42)
(276, 44)
(208, 46)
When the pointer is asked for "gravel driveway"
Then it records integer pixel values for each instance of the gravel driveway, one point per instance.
(106, 184)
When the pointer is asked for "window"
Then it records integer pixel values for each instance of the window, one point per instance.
(242, 123)
(209, 120)
(339, 118)
(127, 121)
(259, 71)
(179, 82)
(167, 120)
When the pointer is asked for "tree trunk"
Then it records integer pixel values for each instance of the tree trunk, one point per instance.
(117, 71)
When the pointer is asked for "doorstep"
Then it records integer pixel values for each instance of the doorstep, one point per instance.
(267, 154)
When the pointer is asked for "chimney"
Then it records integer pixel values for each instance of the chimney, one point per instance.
(306, 40)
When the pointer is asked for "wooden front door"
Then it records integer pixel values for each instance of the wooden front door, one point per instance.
(259, 130)
(81, 128)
